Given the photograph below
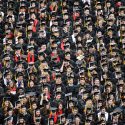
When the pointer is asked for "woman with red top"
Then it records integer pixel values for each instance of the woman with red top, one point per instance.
(53, 115)
(12, 87)
(30, 55)
(18, 54)
(35, 23)
(60, 109)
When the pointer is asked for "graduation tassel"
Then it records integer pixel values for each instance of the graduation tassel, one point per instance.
(48, 121)
(89, 74)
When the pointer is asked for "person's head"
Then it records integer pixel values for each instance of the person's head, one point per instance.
(99, 34)
(86, 11)
(58, 95)
(45, 89)
(63, 119)
(75, 110)
(70, 80)
(77, 120)
(23, 109)
(67, 56)
(60, 106)
(51, 121)
(58, 80)
(31, 83)
(37, 112)
(110, 101)
(82, 80)
(47, 105)
(33, 16)
(71, 104)
(21, 121)
(103, 110)
(34, 105)
(97, 81)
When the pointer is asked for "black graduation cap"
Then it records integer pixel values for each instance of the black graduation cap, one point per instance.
(58, 93)
(116, 111)
(7, 98)
(96, 93)
(6, 73)
(6, 56)
(31, 94)
(19, 74)
(87, 121)
(58, 75)
(23, 106)
(18, 47)
(46, 86)
(53, 109)
(30, 48)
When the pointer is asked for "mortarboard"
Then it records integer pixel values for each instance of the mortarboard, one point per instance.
(19, 74)
(30, 47)
(116, 111)
(46, 86)
(31, 94)
(53, 109)
(7, 99)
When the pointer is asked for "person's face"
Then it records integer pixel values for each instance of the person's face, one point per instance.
(110, 23)
(70, 81)
(75, 111)
(86, 12)
(51, 122)
(9, 122)
(63, 120)
(99, 34)
(8, 77)
(21, 121)
(20, 78)
(47, 106)
(45, 90)
(21, 41)
(33, 16)
(65, 17)
(97, 97)
(31, 83)
(71, 105)
(90, 28)
(38, 113)
(77, 120)
(43, 48)
(41, 58)
(60, 106)
(82, 81)
(85, 96)
(111, 16)
(58, 97)
(103, 110)
(10, 113)
(67, 57)
(108, 4)
(97, 82)
(120, 89)
(23, 110)
(58, 80)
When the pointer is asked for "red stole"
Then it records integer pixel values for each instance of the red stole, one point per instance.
(30, 58)
(34, 25)
(57, 59)
(62, 45)
(17, 58)
(55, 117)
(59, 112)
